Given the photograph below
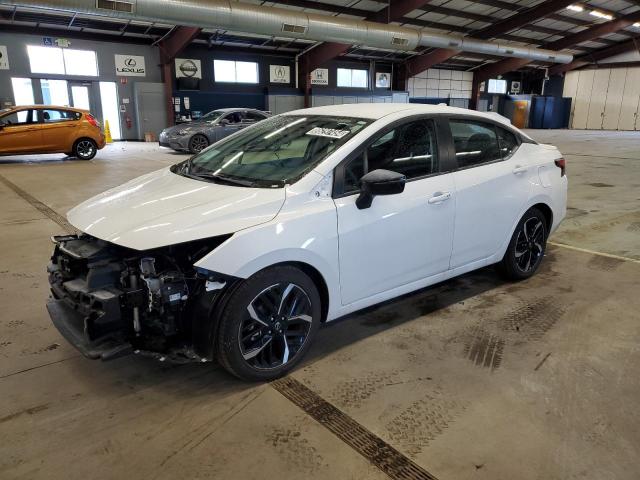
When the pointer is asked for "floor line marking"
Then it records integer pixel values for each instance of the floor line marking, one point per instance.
(593, 252)
(39, 366)
(378, 452)
(38, 205)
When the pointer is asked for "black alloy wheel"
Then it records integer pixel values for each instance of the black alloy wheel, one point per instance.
(268, 323)
(526, 248)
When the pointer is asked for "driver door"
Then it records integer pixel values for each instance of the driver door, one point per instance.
(20, 132)
(401, 238)
(229, 124)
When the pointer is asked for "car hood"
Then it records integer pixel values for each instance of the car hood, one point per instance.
(163, 208)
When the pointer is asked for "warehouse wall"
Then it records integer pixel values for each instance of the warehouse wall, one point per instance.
(607, 98)
(441, 85)
(19, 67)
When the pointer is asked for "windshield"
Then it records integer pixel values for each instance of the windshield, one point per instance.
(214, 115)
(275, 152)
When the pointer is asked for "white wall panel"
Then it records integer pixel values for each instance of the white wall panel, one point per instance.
(582, 99)
(629, 110)
(613, 102)
(598, 98)
(570, 90)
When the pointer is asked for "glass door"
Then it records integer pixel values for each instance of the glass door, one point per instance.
(54, 92)
(80, 97)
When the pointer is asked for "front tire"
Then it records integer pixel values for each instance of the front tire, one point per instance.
(197, 143)
(526, 248)
(268, 324)
(85, 149)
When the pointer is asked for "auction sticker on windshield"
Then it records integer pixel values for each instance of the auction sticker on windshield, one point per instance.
(328, 132)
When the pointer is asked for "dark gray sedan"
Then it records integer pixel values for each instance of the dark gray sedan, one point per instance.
(197, 135)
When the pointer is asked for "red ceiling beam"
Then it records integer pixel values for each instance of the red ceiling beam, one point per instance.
(176, 41)
(512, 64)
(421, 63)
(170, 46)
(623, 47)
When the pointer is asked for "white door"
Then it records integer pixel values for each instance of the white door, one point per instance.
(400, 238)
(598, 96)
(630, 101)
(613, 103)
(583, 97)
(490, 189)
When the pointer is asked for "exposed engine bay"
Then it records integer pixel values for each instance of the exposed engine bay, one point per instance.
(109, 300)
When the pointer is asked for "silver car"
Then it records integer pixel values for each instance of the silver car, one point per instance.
(197, 135)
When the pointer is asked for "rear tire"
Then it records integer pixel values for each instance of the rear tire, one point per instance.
(526, 248)
(197, 143)
(268, 324)
(85, 149)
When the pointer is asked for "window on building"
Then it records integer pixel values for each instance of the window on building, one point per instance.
(230, 71)
(22, 91)
(497, 86)
(80, 62)
(475, 143)
(348, 77)
(62, 61)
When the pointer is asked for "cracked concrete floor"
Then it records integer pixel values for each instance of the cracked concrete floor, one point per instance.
(471, 379)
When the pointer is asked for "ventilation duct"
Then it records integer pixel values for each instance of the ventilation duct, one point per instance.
(242, 17)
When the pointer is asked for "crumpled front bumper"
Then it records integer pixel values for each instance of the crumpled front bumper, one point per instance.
(74, 328)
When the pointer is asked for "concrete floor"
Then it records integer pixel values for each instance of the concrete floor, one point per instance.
(472, 379)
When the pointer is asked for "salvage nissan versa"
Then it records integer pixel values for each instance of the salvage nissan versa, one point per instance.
(241, 252)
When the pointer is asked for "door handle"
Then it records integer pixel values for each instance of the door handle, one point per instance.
(439, 197)
(519, 169)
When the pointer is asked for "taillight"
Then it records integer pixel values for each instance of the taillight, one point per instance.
(92, 120)
(561, 163)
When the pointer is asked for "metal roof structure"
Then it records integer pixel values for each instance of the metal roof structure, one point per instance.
(538, 23)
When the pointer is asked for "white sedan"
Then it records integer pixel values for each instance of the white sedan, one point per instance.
(241, 252)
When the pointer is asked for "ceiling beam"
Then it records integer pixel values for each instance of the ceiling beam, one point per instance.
(176, 41)
(323, 53)
(421, 63)
(512, 64)
(594, 57)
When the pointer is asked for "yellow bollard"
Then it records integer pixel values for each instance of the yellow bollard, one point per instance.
(107, 132)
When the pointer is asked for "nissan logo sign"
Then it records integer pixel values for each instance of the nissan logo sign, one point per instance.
(188, 68)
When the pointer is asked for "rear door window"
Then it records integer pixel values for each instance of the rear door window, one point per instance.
(508, 142)
(475, 142)
(54, 116)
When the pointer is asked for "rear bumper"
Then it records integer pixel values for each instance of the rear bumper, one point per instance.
(73, 327)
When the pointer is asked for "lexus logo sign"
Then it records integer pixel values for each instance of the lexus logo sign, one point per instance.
(187, 67)
(130, 66)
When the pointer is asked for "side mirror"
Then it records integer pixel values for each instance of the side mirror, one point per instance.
(379, 182)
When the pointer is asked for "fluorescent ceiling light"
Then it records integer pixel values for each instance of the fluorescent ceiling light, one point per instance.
(599, 14)
(575, 8)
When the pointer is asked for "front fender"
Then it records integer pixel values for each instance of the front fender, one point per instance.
(306, 235)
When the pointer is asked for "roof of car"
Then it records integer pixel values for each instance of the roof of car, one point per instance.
(53, 107)
(376, 111)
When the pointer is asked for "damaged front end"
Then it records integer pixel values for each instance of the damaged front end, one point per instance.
(110, 301)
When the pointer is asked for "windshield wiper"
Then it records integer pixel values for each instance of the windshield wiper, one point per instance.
(218, 178)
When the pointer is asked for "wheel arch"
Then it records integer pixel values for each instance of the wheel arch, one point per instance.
(546, 211)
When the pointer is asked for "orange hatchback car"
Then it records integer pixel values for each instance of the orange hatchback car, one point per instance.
(33, 129)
